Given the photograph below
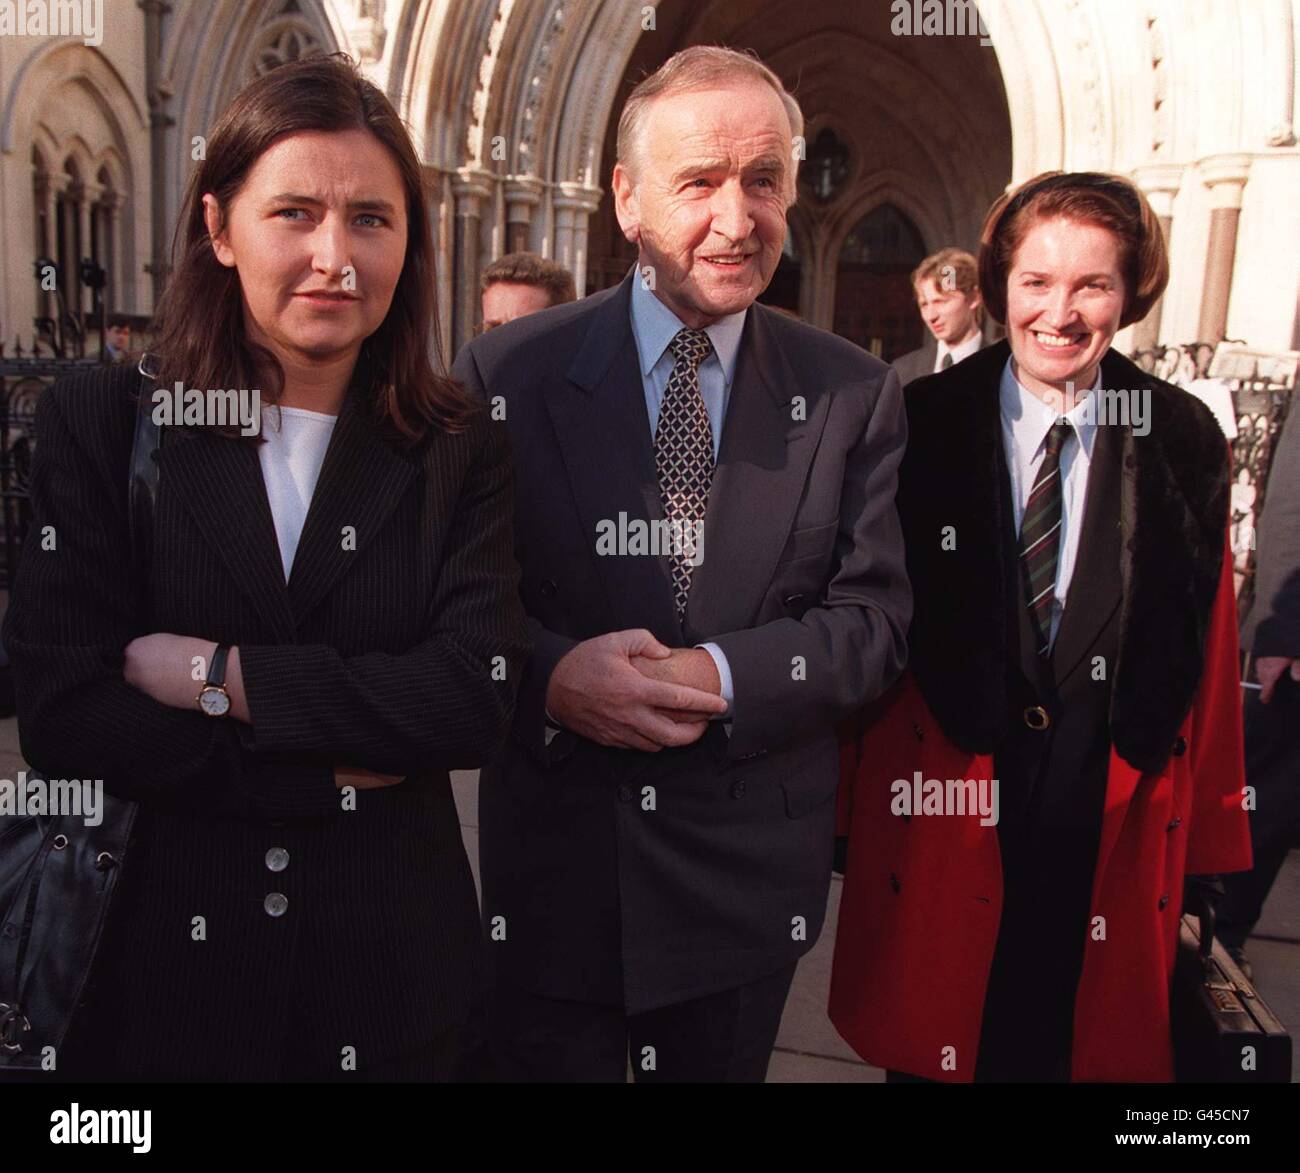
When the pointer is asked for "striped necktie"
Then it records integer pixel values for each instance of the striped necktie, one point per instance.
(1040, 536)
(684, 456)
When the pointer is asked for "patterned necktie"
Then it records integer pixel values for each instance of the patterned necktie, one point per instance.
(946, 361)
(1040, 536)
(684, 456)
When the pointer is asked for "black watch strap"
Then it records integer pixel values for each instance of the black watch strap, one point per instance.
(217, 667)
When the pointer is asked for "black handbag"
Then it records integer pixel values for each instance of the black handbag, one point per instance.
(57, 875)
(1223, 1031)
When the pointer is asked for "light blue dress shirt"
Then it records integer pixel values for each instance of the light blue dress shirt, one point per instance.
(654, 326)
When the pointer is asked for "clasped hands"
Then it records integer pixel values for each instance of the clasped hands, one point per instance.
(629, 691)
(162, 666)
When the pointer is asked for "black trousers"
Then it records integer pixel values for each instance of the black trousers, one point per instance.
(721, 1038)
(1048, 835)
(1273, 769)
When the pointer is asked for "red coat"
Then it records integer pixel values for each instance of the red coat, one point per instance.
(912, 959)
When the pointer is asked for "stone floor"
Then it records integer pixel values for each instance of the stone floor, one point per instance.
(808, 1048)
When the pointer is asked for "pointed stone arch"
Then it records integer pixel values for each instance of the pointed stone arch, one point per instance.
(67, 101)
(196, 86)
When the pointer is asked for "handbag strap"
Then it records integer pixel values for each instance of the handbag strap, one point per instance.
(142, 488)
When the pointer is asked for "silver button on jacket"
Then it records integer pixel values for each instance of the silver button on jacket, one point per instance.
(277, 859)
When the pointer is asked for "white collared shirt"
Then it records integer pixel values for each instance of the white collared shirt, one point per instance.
(1026, 420)
(960, 351)
(296, 441)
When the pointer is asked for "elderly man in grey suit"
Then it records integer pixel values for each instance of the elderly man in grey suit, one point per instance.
(713, 573)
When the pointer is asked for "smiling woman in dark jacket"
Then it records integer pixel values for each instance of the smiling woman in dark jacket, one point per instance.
(296, 901)
(1072, 658)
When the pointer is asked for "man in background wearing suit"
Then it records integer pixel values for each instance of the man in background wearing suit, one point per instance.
(520, 284)
(714, 577)
(1272, 712)
(947, 294)
(117, 339)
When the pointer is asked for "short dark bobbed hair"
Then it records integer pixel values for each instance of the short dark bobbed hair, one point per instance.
(1089, 197)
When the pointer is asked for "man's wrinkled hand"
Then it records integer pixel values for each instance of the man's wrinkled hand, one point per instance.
(597, 691)
(693, 667)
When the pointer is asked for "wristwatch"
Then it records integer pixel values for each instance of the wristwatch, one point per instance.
(213, 698)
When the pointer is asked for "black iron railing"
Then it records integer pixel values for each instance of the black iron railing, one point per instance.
(1260, 386)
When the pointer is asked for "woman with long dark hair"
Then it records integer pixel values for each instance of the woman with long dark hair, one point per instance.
(325, 622)
(1022, 809)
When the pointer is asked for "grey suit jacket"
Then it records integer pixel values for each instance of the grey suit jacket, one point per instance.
(918, 363)
(642, 879)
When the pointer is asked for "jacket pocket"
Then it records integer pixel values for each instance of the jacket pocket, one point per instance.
(809, 542)
(810, 777)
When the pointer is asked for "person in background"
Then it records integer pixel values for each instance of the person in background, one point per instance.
(117, 339)
(520, 284)
(1272, 711)
(1072, 660)
(948, 296)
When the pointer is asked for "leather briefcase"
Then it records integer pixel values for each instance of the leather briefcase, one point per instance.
(1223, 1030)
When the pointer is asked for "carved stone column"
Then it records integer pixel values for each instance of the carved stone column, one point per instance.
(1225, 176)
(56, 182)
(158, 94)
(442, 216)
(1159, 182)
(470, 189)
(85, 195)
(574, 204)
(115, 294)
(522, 193)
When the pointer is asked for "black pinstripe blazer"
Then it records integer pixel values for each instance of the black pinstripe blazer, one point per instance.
(379, 652)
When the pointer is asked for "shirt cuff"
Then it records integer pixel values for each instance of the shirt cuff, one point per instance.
(724, 675)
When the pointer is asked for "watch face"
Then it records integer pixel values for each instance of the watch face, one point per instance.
(214, 702)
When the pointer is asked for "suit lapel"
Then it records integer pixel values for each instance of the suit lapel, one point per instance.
(955, 503)
(762, 465)
(219, 481)
(603, 431)
(361, 481)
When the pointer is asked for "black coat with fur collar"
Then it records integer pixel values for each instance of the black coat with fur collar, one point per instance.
(1173, 520)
